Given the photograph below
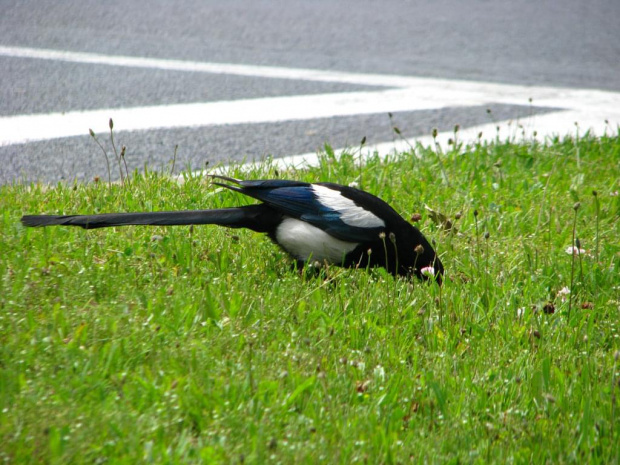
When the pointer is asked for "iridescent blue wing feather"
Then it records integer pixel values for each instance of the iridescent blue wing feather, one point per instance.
(319, 205)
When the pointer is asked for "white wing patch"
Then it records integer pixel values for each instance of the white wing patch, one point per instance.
(304, 241)
(350, 212)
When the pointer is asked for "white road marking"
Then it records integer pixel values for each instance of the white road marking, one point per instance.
(590, 108)
(28, 128)
(431, 88)
(271, 72)
(539, 127)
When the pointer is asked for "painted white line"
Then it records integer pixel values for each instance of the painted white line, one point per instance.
(539, 127)
(411, 93)
(432, 86)
(29, 128)
(273, 72)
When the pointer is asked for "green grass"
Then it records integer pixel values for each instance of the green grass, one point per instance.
(176, 345)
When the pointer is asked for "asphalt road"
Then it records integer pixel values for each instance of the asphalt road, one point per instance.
(571, 43)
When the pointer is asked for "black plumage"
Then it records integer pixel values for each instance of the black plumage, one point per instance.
(322, 222)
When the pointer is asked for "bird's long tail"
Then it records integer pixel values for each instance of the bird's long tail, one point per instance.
(256, 217)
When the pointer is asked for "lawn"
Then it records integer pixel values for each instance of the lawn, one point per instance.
(203, 345)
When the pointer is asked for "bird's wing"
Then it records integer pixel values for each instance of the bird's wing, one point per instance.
(322, 206)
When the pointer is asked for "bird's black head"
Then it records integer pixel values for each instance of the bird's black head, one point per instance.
(417, 256)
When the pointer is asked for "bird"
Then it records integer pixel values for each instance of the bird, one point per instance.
(319, 222)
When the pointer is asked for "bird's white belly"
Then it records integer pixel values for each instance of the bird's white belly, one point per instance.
(306, 242)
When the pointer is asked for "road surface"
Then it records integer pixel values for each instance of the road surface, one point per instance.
(245, 80)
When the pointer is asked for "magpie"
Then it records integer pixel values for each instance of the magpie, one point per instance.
(313, 222)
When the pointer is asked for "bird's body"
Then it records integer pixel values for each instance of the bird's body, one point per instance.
(321, 222)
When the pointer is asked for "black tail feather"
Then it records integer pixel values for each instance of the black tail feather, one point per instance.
(256, 217)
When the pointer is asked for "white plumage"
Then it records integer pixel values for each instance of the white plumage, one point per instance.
(305, 242)
(350, 213)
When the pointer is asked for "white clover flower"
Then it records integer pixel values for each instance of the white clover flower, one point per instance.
(571, 250)
(428, 271)
(379, 373)
(563, 293)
